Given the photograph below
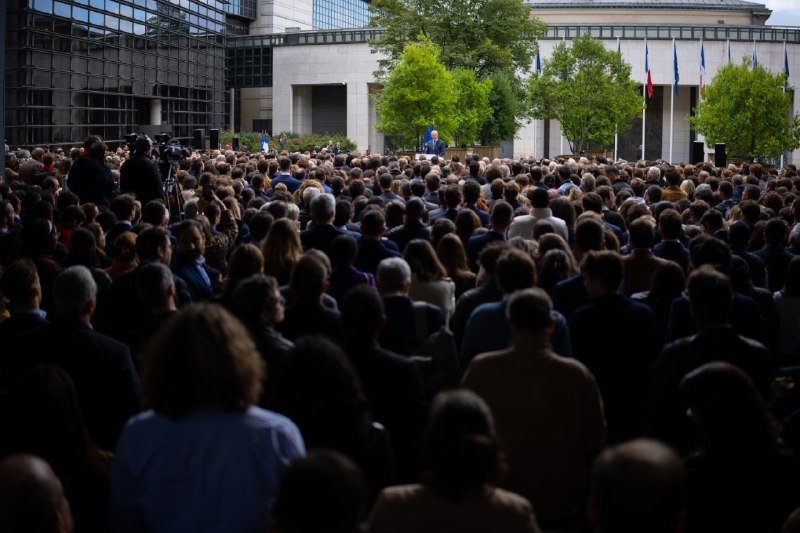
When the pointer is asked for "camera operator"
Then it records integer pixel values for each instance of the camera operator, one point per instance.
(140, 174)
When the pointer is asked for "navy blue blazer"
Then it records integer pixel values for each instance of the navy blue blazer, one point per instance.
(435, 147)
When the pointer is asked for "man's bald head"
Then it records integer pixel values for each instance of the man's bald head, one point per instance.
(31, 497)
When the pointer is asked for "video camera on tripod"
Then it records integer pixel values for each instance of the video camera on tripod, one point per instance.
(168, 152)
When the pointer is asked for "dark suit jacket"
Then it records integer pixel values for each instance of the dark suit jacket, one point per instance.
(713, 343)
(435, 147)
(622, 369)
(12, 351)
(483, 215)
(477, 243)
(370, 253)
(674, 251)
(91, 181)
(116, 230)
(292, 184)
(569, 295)
(776, 259)
(745, 318)
(107, 384)
(412, 229)
(199, 290)
(140, 176)
(123, 312)
(393, 387)
(320, 236)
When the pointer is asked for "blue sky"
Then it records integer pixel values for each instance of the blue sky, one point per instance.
(784, 12)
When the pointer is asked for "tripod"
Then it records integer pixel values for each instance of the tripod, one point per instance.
(172, 191)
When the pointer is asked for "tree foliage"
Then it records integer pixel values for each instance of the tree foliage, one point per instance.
(419, 91)
(504, 102)
(472, 107)
(484, 36)
(746, 108)
(588, 89)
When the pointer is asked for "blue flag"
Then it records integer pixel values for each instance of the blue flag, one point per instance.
(755, 56)
(428, 136)
(538, 64)
(785, 67)
(675, 56)
(264, 142)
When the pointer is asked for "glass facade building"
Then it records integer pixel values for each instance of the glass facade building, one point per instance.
(340, 14)
(111, 67)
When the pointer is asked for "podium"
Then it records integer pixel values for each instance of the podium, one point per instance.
(418, 157)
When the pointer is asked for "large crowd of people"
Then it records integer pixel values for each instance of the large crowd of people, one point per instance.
(340, 342)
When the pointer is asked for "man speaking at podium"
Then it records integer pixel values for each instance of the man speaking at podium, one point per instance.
(435, 146)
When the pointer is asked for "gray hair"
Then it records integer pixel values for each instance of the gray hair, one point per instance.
(309, 194)
(654, 173)
(153, 282)
(323, 207)
(393, 274)
(73, 289)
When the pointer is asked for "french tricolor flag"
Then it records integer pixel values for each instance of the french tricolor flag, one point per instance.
(702, 68)
(647, 69)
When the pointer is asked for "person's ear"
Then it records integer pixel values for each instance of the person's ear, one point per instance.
(551, 327)
(91, 306)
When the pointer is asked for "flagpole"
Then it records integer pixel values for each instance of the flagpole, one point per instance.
(560, 128)
(616, 136)
(672, 99)
(644, 98)
(785, 82)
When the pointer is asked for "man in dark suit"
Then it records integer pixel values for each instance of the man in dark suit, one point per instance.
(413, 227)
(710, 302)
(20, 286)
(285, 176)
(189, 263)
(499, 221)
(435, 146)
(105, 379)
(321, 233)
(392, 382)
(89, 178)
(570, 294)
(124, 208)
(139, 175)
(124, 312)
(372, 248)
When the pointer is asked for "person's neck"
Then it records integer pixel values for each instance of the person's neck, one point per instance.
(531, 341)
(28, 307)
(168, 307)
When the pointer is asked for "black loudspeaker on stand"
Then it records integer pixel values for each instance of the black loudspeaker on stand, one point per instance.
(214, 138)
(720, 155)
(198, 139)
(235, 144)
(698, 152)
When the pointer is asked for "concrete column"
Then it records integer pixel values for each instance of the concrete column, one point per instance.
(301, 109)
(358, 114)
(155, 112)
(376, 139)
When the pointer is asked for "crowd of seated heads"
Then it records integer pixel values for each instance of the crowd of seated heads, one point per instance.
(323, 301)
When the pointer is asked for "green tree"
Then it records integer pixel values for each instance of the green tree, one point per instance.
(588, 89)
(472, 106)
(747, 109)
(419, 91)
(480, 35)
(504, 103)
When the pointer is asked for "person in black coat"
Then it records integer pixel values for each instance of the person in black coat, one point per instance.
(140, 175)
(108, 387)
(258, 303)
(20, 285)
(392, 383)
(89, 177)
